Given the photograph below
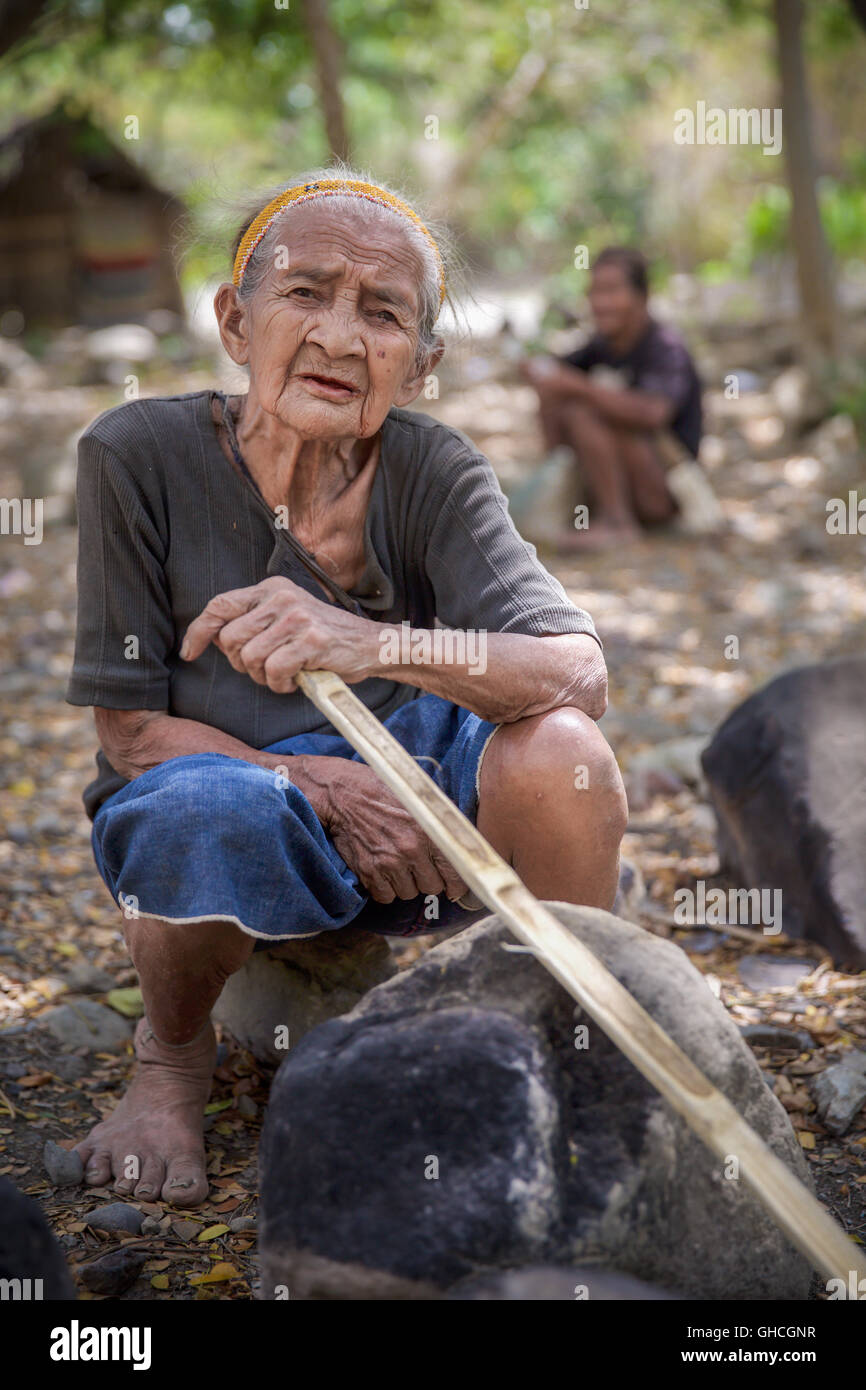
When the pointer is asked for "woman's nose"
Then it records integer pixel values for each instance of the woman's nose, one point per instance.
(338, 333)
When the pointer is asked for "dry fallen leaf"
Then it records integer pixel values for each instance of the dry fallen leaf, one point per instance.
(211, 1232)
(220, 1273)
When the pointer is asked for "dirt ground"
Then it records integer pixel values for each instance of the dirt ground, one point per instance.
(775, 579)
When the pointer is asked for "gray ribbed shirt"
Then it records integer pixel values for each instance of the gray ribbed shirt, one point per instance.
(166, 522)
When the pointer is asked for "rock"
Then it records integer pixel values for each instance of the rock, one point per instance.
(85, 1023)
(150, 1226)
(63, 1166)
(70, 1068)
(836, 444)
(242, 1223)
(840, 1091)
(18, 369)
(117, 1216)
(450, 1126)
(124, 342)
(28, 1249)
(700, 943)
(247, 1107)
(186, 1230)
(630, 891)
(773, 972)
(776, 1036)
(786, 771)
(89, 979)
(50, 826)
(298, 985)
(664, 769)
(550, 1284)
(112, 1273)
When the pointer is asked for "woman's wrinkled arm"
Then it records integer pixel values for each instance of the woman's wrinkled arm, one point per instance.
(134, 741)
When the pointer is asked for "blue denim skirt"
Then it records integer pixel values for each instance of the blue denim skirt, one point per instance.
(207, 837)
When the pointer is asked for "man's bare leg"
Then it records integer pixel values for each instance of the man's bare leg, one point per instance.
(152, 1144)
(653, 501)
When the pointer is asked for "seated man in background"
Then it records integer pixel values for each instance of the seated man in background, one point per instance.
(628, 404)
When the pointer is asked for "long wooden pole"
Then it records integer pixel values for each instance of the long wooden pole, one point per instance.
(626, 1022)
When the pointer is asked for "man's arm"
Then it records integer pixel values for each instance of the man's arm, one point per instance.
(637, 410)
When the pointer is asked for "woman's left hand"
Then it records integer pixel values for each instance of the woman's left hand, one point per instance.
(275, 629)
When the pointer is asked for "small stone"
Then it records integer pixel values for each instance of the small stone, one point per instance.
(775, 1035)
(698, 943)
(51, 826)
(85, 1023)
(773, 972)
(840, 1091)
(70, 1068)
(63, 1166)
(186, 1230)
(150, 1226)
(18, 833)
(117, 1216)
(15, 1070)
(242, 1223)
(247, 1107)
(112, 1273)
(89, 979)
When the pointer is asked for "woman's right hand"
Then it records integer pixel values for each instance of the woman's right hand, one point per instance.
(375, 835)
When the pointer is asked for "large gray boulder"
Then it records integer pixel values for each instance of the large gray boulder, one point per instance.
(450, 1125)
(786, 772)
(32, 1266)
(283, 992)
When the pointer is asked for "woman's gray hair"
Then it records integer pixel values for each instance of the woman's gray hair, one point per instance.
(262, 258)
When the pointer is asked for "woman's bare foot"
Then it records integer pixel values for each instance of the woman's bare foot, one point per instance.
(153, 1143)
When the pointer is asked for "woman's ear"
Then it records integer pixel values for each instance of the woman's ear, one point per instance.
(413, 385)
(232, 321)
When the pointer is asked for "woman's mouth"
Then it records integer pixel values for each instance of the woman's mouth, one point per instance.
(332, 387)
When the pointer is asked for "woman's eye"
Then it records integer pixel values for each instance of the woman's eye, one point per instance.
(301, 289)
(386, 315)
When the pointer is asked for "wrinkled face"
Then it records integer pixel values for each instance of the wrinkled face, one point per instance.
(616, 304)
(330, 335)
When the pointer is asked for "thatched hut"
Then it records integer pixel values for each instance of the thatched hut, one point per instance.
(85, 236)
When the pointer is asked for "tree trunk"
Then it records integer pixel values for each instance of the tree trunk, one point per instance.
(811, 253)
(329, 66)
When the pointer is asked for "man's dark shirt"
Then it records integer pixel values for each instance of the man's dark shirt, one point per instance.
(660, 364)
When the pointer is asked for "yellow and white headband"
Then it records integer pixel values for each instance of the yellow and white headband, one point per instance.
(304, 193)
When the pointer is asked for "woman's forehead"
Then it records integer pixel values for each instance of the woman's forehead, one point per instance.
(374, 238)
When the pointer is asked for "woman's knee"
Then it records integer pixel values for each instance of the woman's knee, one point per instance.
(556, 760)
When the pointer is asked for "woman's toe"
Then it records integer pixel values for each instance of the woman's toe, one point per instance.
(151, 1181)
(97, 1169)
(185, 1184)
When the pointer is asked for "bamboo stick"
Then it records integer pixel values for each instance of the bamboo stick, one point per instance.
(712, 1117)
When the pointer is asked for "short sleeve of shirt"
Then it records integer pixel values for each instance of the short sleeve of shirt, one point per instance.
(484, 575)
(666, 371)
(124, 632)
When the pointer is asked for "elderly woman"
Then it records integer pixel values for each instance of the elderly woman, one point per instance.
(225, 545)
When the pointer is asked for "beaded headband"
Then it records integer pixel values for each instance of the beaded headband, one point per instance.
(304, 193)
